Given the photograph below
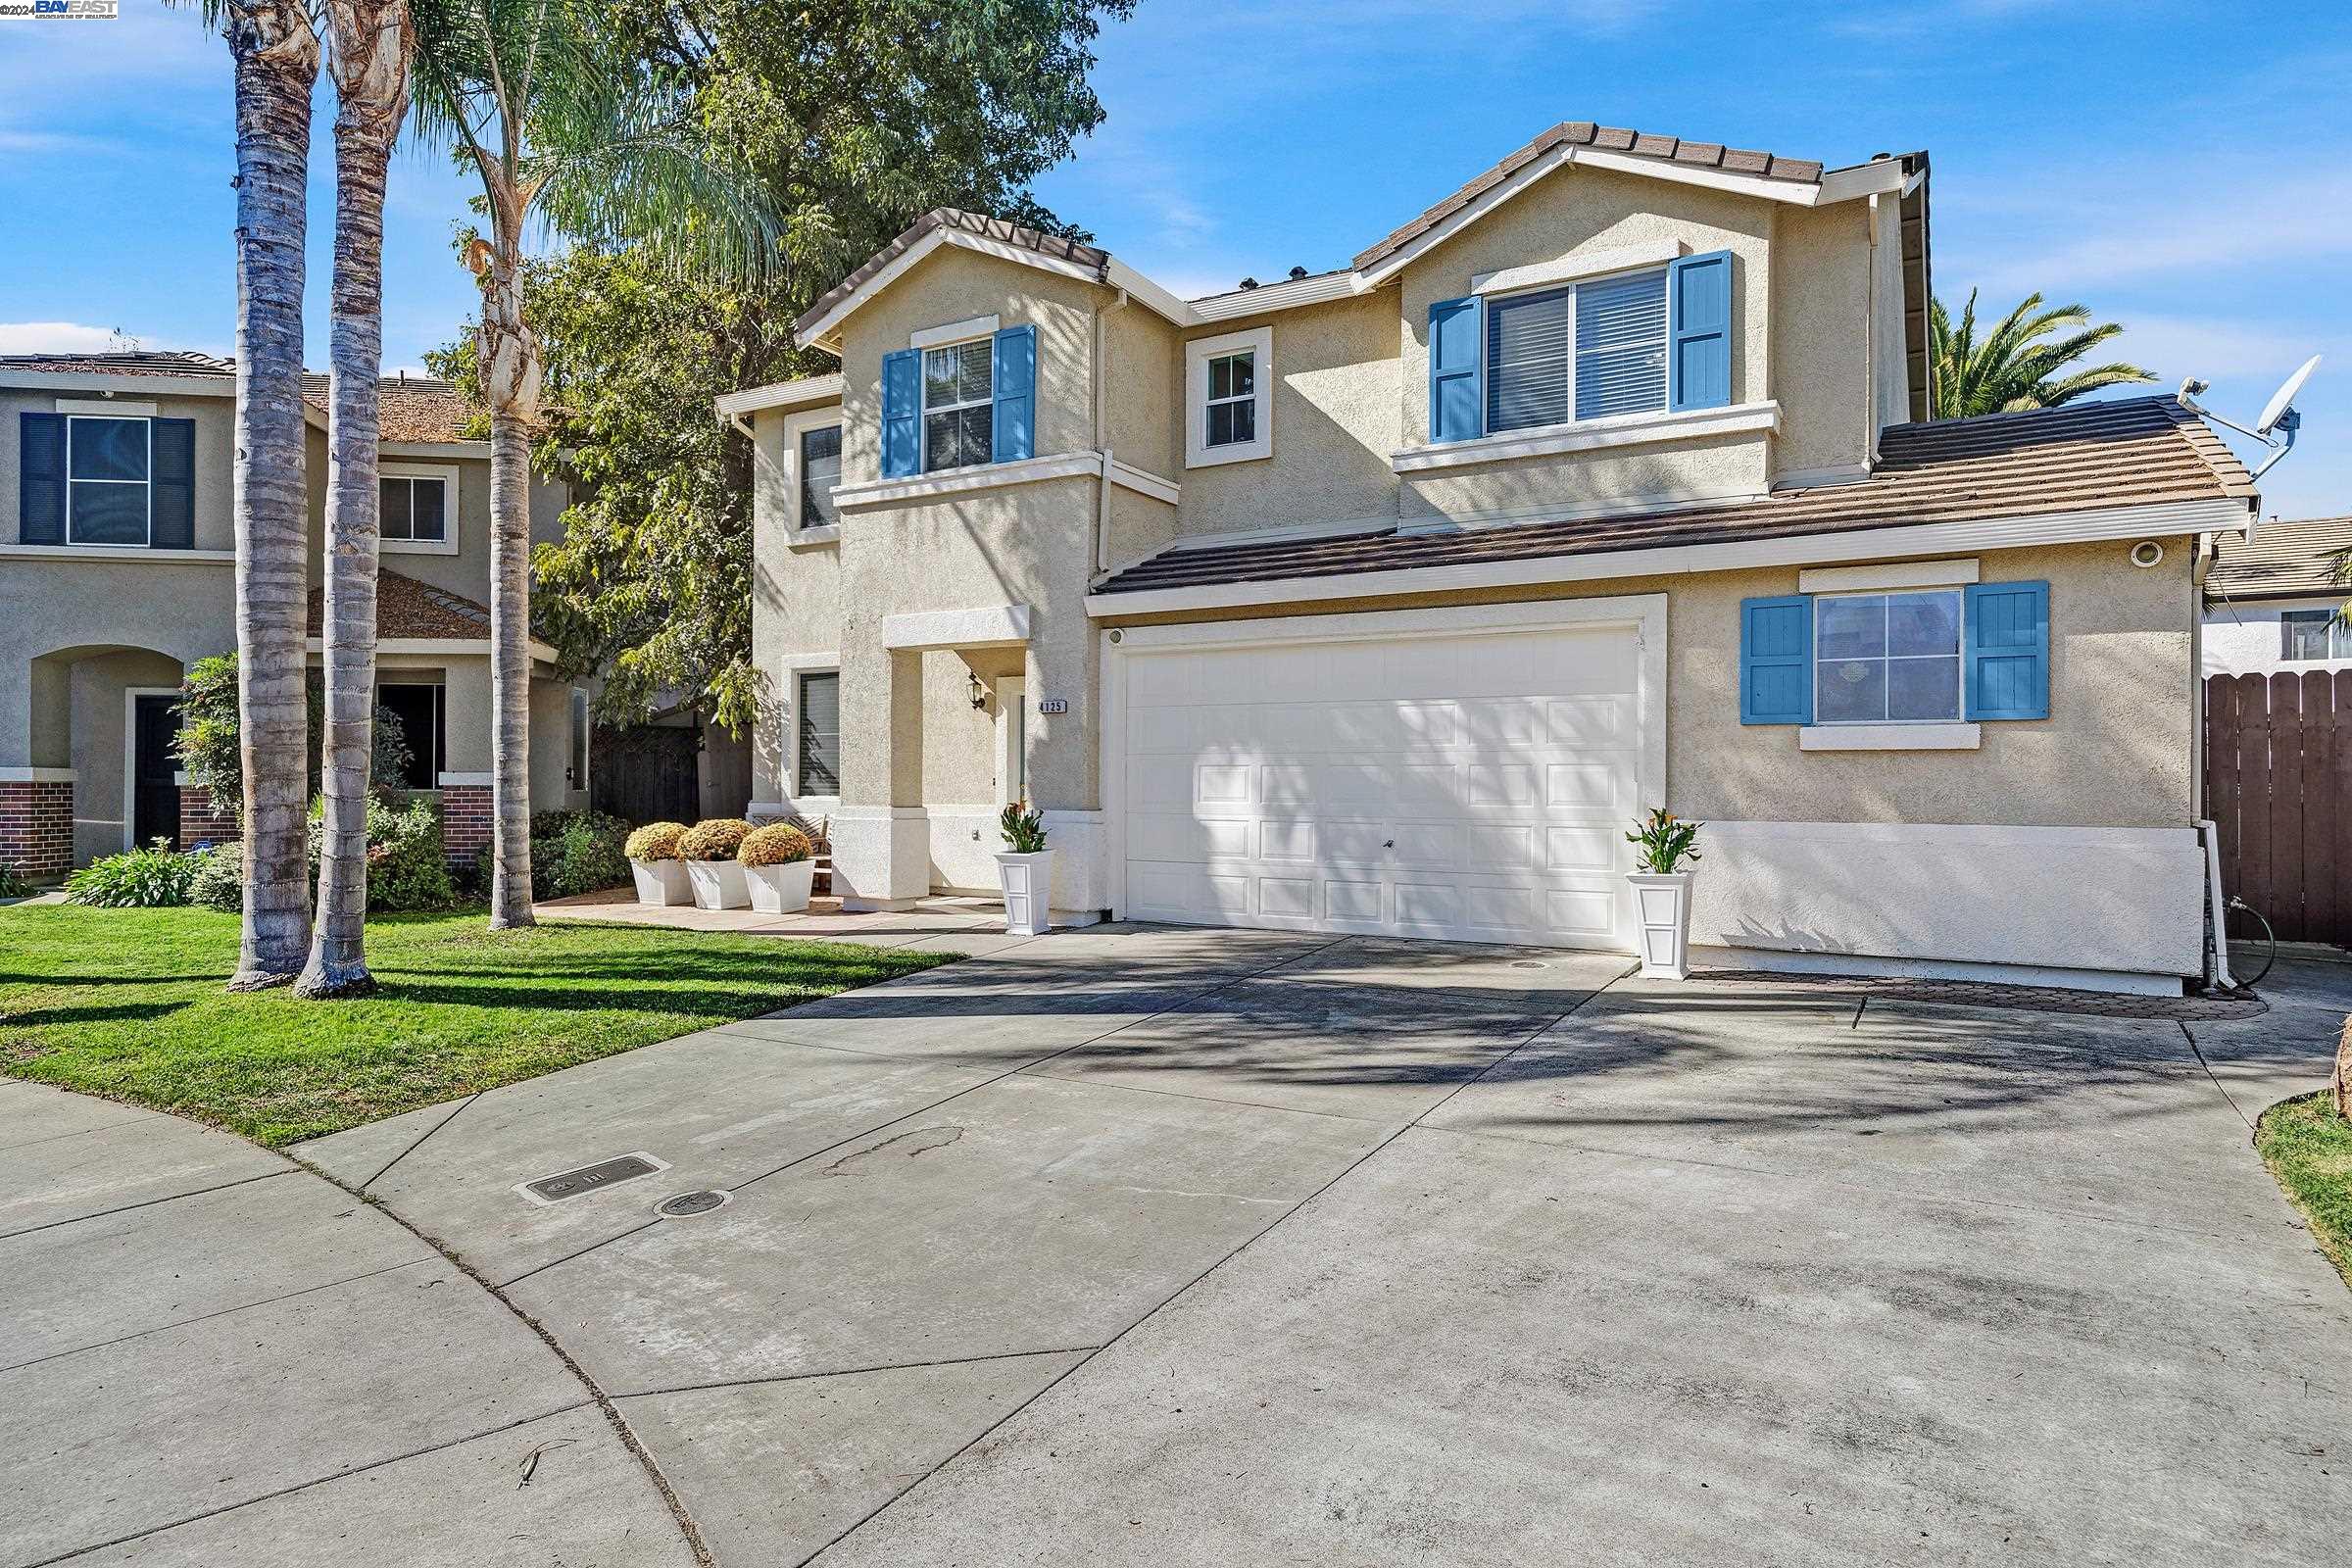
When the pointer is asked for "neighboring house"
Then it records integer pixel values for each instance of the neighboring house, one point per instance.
(2272, 600)
(1383, 600)
(116, 574)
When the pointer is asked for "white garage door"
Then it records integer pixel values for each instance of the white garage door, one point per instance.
(1472, 786)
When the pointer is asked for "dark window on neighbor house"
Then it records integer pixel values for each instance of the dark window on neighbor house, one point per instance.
(107, 469)
(2308, 634)
(821, 472)
(414, 509)
(422, 711)
(817, 771)
(958, 406)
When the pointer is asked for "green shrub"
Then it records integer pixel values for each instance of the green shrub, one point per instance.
(136, 879)
(208, 743)
(777, 844)
(406, 868)
(715, 837)
(12, 881)
(1023, 827)
(220, 879)
(655, 841)
(576, 851)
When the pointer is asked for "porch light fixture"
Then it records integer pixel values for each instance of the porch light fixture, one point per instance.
(979, 693)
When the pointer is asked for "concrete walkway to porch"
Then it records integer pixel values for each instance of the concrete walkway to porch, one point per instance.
(948, 923)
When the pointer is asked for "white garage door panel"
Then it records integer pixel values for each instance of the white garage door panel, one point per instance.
(1468, 786)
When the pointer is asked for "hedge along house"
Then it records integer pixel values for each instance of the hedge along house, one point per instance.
(1382, 600)
(117, 573)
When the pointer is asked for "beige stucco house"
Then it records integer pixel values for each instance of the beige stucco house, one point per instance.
(1383, 599)
(116, 574)
(2273, 603)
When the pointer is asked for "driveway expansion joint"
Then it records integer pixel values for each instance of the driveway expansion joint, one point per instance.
(168, 1198)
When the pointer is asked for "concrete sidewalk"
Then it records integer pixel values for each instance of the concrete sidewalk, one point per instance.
(212, 1356)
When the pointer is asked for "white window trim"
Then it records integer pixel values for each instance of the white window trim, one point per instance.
(1617, 430)
(923, 409)
(447, 473)
(963, 332)
(2335, 629)
(978, 476)
(1572, 269)
(1933, 735)
(1257, 341)
(582, 729)
(793, 667)
(1887, 577)
(131, 757)
(1892, 727)
(111, 412)
(797, 424)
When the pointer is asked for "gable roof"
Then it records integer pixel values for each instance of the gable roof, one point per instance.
(412, 408)
(1601, 138)
(1802, 181)
(2282, 560)
(2080, 458)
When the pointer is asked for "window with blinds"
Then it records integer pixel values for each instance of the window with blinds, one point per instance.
(817, 768)
(1587, 352)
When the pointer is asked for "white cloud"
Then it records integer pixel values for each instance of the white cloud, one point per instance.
(2206, 219)
(59, 337)
(2210, 347)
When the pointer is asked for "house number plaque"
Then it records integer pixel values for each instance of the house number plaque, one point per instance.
(1052, 704)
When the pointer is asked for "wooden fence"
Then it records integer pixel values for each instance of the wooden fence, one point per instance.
(2279, 783)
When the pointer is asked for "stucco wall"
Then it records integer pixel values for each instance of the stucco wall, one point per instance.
(216, 455)
(1140, 525)
(1142, 390)
(2114, 752)
(466, 572)
(1336, 421)
(796, 606)
(99, 735)
(182, 610)
(1664, 471)
(1821, 280)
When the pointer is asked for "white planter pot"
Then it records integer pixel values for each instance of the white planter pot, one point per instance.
(661, 883)
(1662, 922)
(1028, 884)
(781, 889)
(720, 884)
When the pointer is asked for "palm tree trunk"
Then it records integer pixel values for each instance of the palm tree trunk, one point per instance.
(510, 369)
(370, 64)
(276, 57)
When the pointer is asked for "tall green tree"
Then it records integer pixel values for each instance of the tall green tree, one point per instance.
(2019, 364)
(274, 48)
(569, 130)
(853, 117)
(369, 43)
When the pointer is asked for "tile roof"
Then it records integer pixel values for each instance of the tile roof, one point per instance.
(413, 408)
(407, 607)
(979, 223)
(2281, 561)
(1600, 138)
(2130, 452)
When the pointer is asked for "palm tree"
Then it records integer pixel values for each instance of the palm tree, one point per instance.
(275, 51)
(567, 132)
(368, 55)
(2013, 370)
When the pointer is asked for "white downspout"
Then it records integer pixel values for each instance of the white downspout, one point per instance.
(1870, 340)
(1100, 417)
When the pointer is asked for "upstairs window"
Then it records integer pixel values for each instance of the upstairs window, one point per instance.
(1232, 399)
(414, 508)
(2305, 635)
(1590, 350)
(1228, 398)
(821, 472)
(958, 406)
(108, 464)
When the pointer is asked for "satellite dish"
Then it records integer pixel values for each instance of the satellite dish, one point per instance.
(2284, 398)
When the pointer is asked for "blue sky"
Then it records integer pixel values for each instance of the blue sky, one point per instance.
(2185, 171)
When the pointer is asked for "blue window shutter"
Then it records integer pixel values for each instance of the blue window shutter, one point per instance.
(173, 498)
(41, 479)
(2009, 650)
(1015, 377)
(1456, 403)
(901, 413)
(1776, 661)
(1698, 293)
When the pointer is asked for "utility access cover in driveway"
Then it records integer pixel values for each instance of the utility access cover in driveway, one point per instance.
(591, 1178)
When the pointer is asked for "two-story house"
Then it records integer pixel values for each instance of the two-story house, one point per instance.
(1383, 599)
(117, 552)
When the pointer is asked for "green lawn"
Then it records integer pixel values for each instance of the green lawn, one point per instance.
(128, 1004)
(2309, 1149)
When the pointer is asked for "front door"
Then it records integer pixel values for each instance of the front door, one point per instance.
(154, 793)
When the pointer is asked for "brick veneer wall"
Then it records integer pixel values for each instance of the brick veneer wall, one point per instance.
(36, 826)
(464, 821)
(200, 821)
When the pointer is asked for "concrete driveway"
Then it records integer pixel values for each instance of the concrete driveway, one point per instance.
(1166, 1245)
